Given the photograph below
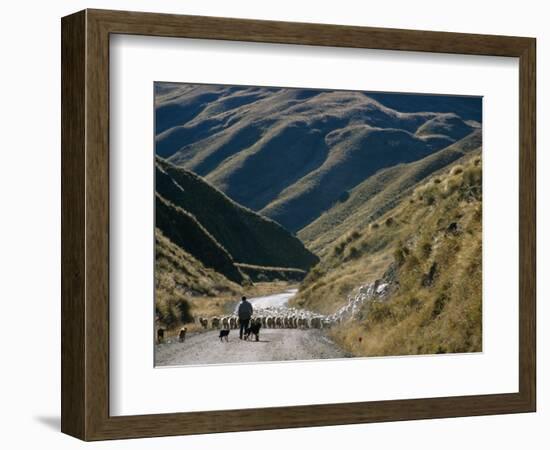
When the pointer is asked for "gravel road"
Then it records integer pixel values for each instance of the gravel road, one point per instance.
(274, 345)
(274, 300)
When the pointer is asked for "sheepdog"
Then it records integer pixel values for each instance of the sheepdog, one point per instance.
(253, 329)
(182, 334)
(224, 334)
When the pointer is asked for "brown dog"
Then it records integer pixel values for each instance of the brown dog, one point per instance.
(160, 335)
(182, 334)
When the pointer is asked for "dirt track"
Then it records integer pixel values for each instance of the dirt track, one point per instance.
(274, 345)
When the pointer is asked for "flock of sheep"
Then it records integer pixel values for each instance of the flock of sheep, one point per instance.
(286, 317)
(270, 317)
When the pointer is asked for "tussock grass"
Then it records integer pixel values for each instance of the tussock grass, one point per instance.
(435, 244)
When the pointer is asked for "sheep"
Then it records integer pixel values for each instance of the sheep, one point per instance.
(181, 336)
(233, 322)
(215, 322)
(264, 321)
(279, 322)
(286, 322)
(381, 289)
(315, 322)
(269, 322)
(204, 322)
(225, 322)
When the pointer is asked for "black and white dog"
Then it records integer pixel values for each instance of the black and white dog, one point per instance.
(254, 329)
(224, 334)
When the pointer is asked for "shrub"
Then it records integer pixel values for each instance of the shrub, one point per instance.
(429, 194)
(172, 311)
(472, 183)
(450, 186)
(426, 249)
(400, 254)
(184, 309)
(430, 199)
(353, 252)
(315, 274)
(343, 197)
(439, 304)
(457, 170)
(355, 235)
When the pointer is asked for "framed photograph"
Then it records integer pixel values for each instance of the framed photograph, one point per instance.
(273, 225)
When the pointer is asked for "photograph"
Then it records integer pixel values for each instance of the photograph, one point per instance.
(298, 224)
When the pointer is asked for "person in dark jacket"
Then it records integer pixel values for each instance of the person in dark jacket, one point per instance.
(244, 313)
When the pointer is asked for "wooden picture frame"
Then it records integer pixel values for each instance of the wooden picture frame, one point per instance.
(85, 224)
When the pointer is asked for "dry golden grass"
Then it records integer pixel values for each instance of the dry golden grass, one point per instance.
(434, 240)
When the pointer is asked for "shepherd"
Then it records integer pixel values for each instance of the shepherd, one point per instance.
(245, 313)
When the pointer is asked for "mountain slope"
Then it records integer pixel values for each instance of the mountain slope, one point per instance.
(379, 193)
(463, 106)
(291, 153)
(245, 235)
(184, 230)
(178, 277)
(429, 249)
(355, 154)
(177, 269)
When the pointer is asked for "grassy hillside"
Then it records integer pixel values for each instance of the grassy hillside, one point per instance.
(245, 235)
(380, 193)
(292, 153)
(431, 241)
(445, 125)
(355, 154)
(460, 105)
(178, 278)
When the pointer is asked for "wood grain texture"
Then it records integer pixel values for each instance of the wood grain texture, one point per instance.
(73, 108)
(85, 224)
(527, 224)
